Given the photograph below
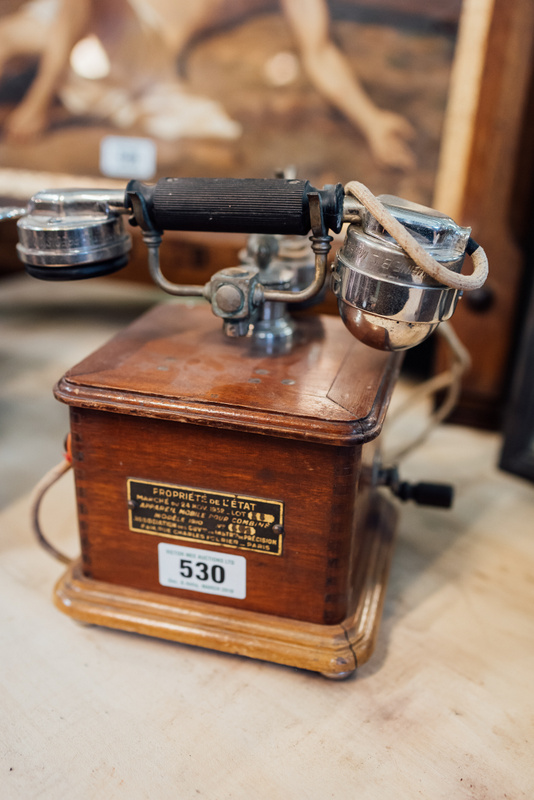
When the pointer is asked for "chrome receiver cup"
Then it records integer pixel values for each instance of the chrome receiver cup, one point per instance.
(384, 298)
(73, 234)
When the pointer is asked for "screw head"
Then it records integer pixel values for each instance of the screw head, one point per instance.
(229, 298)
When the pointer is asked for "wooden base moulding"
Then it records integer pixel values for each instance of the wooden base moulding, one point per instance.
(333, 650)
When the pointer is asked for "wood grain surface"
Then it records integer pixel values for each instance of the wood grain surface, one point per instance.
(171, 401)
(491, 191)
(175, 363)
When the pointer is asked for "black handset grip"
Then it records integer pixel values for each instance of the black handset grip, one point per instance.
(233, 205)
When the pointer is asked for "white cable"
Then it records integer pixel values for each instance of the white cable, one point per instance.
(51, 477)
(449, 381)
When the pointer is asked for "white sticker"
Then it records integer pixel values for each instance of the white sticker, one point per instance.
(128, 157)
(202, 570)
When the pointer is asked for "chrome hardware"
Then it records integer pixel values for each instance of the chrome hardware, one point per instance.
(73, 234)
(384, 298)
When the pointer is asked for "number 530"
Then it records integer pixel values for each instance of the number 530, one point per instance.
(201, 571)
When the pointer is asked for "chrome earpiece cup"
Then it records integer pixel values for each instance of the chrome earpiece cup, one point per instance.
(73, 246)
(78, 271)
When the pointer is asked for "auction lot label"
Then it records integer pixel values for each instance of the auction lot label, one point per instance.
(182, 567)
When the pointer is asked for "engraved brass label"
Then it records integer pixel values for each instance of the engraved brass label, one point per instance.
(227, 520)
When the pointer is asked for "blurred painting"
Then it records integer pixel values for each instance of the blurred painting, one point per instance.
(334, 91)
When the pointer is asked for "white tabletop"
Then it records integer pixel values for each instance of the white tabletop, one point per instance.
(444, 708)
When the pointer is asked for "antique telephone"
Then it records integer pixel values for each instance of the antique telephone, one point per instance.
(229, 493)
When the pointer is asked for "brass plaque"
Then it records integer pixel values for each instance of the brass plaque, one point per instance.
(198, 515)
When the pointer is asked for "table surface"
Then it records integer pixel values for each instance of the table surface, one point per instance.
(444, 708)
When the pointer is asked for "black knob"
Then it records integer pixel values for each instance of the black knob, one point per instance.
(440, 495)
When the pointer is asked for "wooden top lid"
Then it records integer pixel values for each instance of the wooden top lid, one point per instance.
(176, 363)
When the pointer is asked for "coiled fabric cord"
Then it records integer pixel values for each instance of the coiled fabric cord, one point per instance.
(51, 477)
(411, 246)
